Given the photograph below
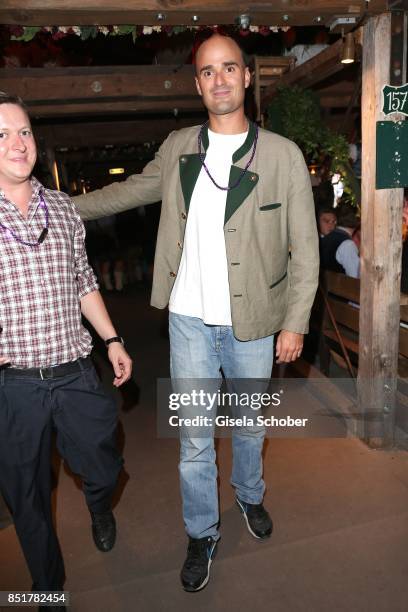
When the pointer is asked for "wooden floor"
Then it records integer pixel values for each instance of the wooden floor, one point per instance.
(340, 512)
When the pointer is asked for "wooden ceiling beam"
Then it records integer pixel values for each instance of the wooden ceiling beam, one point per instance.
(173, 107)
(51, 92)
(103, 133)
(315, 70)
(92, 84)
(180, 12)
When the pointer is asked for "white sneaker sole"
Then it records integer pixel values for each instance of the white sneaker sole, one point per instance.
(210, 560)
(241, 507)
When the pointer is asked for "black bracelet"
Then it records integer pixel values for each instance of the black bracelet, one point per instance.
(114, 339)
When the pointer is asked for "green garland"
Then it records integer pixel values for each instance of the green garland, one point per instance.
(27, 33)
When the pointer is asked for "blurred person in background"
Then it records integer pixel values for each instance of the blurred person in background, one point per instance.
(338, 251)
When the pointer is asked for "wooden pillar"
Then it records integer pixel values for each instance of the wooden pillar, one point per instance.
(381, 215)
(53, 167)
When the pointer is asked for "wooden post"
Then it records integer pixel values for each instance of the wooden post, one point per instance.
(52, 167)
(381, 215)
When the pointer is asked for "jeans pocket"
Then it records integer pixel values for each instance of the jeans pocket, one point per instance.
(91, 379)
(20, 432)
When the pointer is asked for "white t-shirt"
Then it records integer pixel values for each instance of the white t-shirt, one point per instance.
(201, 288)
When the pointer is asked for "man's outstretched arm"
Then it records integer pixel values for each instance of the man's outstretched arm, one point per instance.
(137, 190)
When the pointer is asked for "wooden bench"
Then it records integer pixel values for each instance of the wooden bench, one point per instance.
(340, 321)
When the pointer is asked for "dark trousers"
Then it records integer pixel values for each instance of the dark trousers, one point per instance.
(85, 420)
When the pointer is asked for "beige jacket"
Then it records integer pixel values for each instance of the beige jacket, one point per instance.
(269, 215)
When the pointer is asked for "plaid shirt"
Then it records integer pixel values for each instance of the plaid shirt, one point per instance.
(41, 286)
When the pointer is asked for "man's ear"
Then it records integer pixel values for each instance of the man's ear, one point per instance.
(200, 93)
(247, 77)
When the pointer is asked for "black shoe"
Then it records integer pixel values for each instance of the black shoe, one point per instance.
(103, 530)
(257, 519)
(195, 572)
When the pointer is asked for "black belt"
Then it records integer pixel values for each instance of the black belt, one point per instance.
(83, 363)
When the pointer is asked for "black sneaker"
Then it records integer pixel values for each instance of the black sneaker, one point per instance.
(257, 519)
(195, 572)
(103, 530)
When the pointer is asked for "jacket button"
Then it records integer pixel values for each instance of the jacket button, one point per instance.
(253, 177)
(183, 215)
(180, 246)
(172, 274)
(183, 160)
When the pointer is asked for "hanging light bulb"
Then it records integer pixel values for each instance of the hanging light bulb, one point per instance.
(348, 52)
(244, 21)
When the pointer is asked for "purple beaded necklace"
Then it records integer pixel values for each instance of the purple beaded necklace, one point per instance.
(43, 234)
(244, 170)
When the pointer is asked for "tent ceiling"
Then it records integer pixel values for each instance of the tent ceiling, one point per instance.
(183, 12)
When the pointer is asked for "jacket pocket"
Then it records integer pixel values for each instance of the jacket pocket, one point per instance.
(270, 206)
(278, 281)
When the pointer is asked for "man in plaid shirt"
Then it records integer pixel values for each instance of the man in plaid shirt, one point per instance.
(47, 380)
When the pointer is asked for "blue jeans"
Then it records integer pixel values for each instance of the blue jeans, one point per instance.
(198, 351)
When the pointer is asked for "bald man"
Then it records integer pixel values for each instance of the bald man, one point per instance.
(235, 200)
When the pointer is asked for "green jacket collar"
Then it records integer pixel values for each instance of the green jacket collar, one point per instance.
(243, 149)
(190, 167)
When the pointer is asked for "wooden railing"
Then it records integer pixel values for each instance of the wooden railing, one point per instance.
(341, 318)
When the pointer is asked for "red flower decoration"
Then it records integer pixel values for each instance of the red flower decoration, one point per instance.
(16, 30)
(58, 35)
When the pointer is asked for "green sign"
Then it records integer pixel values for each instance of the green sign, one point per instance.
(395, 99)
(392, 154)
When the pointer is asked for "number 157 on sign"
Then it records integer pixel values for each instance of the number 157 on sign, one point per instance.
(395, 99)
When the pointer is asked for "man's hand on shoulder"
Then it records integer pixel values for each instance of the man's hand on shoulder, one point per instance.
(121, 363)
(288, 346)
(4, 360)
